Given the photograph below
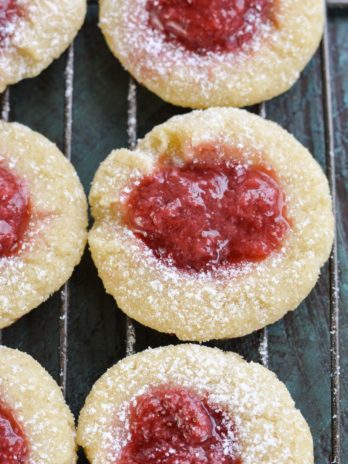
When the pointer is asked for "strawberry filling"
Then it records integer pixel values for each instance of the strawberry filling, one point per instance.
(13, 444)
(10, 12)
(209, 25)
(14, 212)
(204, 215)
(173, 425)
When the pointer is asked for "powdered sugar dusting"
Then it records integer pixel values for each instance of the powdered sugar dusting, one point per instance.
(55, 237)
(151, 55)
(38, 35)
(267, 426)
(229, 301)
(38, 406)
(195, 426)
(263, 67)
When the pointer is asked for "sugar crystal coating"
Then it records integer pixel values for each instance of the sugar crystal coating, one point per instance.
(55, 237)
(10, 12)
(231, 301)
(33, 33)
(35, 402)
(162, 44)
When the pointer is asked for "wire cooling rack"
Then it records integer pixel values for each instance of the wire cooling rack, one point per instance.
(132, 123)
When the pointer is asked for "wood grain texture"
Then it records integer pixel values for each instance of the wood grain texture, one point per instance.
(299, 344)
(339, 53)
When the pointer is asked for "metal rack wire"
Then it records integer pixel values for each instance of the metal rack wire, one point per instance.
(65, 292)
(333, 266)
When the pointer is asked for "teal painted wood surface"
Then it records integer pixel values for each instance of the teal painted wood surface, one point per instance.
(299, 344)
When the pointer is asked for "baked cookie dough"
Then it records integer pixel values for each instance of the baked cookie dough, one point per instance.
(36, 426)
(202, 53)
(33, 33)
(43, 220)
(284, 219)
(175, 401)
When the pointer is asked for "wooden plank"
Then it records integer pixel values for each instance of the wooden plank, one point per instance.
(299, 344)
(339, 58)
(337, 3)
(335, 457)
(96, 327)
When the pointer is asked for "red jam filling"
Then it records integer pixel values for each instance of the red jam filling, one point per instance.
(209, 25)
(13, 445)
(173, 425)
(200, 216)
(14, 212)
(10, 11)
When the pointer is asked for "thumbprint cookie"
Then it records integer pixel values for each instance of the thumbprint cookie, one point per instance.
(214, 226)
(33, 33)
(192, 404)
(36, 426)
(43, 220)
(202, 53)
